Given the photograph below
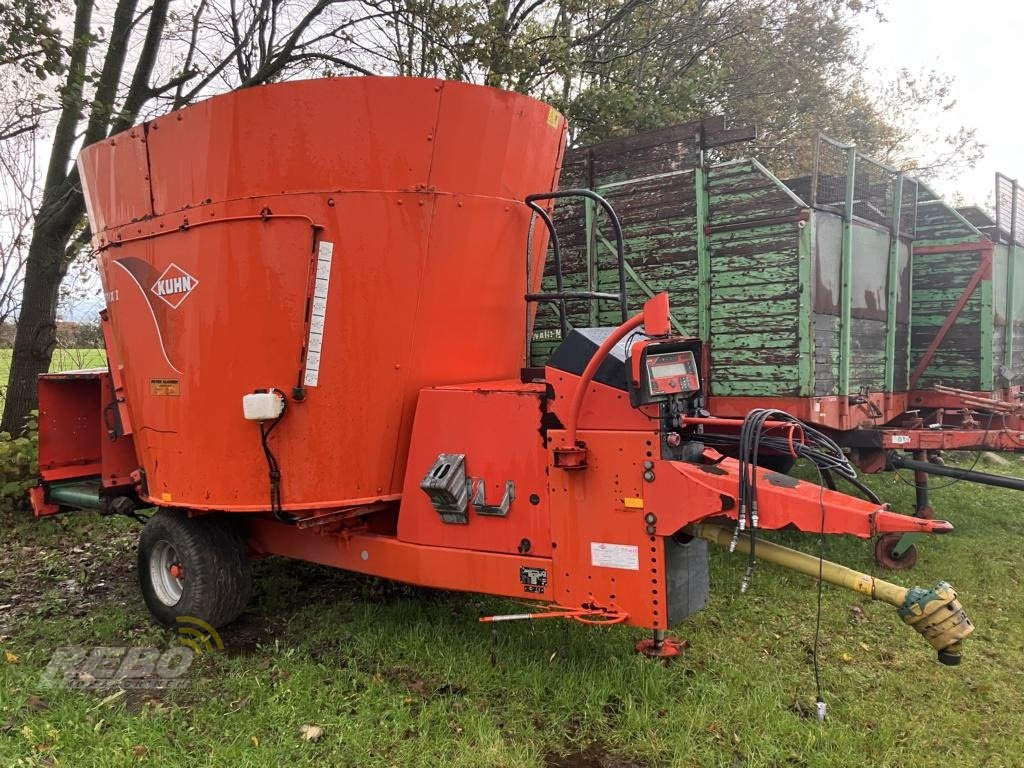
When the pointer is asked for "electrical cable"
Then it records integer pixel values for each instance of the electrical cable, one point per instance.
(817, 448)
(755, 435)
(823, 453)
(274, 469)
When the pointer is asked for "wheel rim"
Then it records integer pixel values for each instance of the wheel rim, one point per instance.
(884, 553)
(166, 573)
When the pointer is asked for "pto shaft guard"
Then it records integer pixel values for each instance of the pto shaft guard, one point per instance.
(940, 619)
(935, 613)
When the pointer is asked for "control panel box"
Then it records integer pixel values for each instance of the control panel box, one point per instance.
(660, 371)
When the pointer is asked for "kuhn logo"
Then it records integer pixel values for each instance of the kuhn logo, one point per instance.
(174, 285)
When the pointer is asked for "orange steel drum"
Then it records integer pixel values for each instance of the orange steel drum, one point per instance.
(358, 238)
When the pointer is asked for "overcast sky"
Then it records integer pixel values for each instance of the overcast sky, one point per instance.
(979, 42)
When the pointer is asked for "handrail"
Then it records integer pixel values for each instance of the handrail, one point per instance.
(559, 296)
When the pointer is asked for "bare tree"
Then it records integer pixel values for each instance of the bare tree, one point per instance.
(145, 60)
(19, 194)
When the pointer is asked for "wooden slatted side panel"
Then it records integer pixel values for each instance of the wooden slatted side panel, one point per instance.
(756, 297)
(659, 218)
(944, 262)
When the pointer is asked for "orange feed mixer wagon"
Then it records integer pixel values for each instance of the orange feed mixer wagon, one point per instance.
(319, 297)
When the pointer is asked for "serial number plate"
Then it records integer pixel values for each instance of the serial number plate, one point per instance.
(165, 387)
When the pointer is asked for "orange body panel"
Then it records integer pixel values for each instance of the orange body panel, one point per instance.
(411, 188)
(115, 175)
(588, 509)
(75, 425)
(465, 570)
(497, 426)
(604, 407)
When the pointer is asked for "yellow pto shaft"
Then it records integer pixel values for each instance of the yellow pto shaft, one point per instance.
(935, 613)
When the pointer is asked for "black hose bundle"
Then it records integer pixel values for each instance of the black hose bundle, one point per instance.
(755, 436)
(816, 447)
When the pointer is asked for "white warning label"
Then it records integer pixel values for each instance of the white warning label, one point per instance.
(318, 314)
(622, 556)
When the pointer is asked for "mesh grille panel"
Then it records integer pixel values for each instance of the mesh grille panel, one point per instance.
(873, 188)
(830, 173)
(1009, 208)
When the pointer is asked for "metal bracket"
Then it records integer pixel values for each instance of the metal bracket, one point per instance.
(493, 510)
(450, 491)
(446, 485)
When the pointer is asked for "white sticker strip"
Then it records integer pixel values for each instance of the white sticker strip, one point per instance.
(622, 556)
(318, 314)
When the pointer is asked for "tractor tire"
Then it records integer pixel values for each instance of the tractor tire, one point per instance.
(193, 567)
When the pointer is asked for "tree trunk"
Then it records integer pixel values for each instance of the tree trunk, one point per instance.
(63, 203)
(36, 334)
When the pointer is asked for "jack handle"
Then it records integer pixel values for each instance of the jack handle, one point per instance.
(935, 613)
(655, 319)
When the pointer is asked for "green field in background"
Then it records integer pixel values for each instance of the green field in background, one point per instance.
(63, 360)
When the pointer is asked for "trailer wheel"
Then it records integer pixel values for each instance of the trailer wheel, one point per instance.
(195, 567)
(884, 556)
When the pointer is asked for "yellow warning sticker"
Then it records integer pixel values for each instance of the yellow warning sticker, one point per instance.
(553, 117)
(166, 496)
(633, 503)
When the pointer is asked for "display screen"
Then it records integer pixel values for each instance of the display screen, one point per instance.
(672, 373)
(672, 369)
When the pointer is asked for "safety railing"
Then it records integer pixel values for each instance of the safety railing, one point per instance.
(559, 296)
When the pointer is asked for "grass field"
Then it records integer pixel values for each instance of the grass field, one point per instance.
(396, 676)
(63, 360)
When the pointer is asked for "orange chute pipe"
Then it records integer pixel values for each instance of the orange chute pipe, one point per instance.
(588, 373)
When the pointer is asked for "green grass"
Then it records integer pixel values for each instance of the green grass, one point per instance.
(63, 360)
(403, 677)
